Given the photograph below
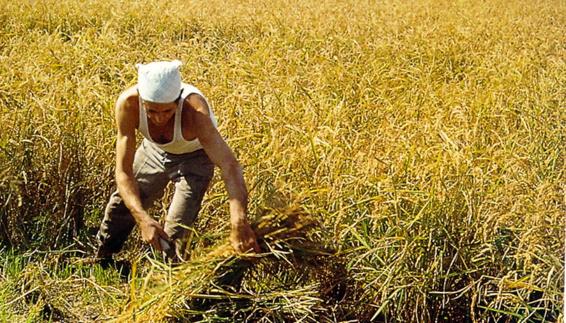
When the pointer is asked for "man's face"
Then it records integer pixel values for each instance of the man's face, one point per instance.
(159, 113)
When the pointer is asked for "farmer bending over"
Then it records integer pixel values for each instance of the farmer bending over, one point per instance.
(181, 144)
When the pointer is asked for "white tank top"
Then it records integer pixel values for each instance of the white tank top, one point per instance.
(178, 145)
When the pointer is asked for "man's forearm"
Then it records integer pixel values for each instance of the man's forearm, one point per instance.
(129, 192)
(242, 236)
(237, 193)
(237, 212)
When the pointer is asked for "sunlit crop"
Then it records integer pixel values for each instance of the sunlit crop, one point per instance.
(405, 159)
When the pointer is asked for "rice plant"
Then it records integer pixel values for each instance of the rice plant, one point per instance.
(404, 159)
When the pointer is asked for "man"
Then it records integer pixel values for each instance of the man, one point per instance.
(181, 144)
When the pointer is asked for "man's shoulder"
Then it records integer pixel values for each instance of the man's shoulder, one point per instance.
(127, 111)
(194, 104)
(128, 100)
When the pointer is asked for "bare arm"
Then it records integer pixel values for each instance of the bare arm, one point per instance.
(125, 150)
(126, 122)
(242, 236)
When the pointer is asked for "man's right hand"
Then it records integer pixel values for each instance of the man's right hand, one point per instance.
(151, 232)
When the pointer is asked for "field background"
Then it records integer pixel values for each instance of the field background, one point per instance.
(425, 138)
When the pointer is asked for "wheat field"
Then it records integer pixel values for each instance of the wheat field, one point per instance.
(405, 159)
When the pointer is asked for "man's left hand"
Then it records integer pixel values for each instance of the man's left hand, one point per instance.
(243, 238)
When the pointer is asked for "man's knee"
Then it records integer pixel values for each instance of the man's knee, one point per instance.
(115, 206)
(116, 225)
(177, 227)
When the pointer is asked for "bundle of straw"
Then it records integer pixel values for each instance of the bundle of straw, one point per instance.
(213, 278)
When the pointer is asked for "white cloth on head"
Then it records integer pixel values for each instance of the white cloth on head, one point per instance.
(159, 82)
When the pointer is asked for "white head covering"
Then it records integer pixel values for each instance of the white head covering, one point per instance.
(159, 82)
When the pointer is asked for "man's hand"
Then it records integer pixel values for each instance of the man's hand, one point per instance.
(243, 238)
(151, 232)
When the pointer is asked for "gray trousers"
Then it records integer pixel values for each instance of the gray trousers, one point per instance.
(153, 170)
